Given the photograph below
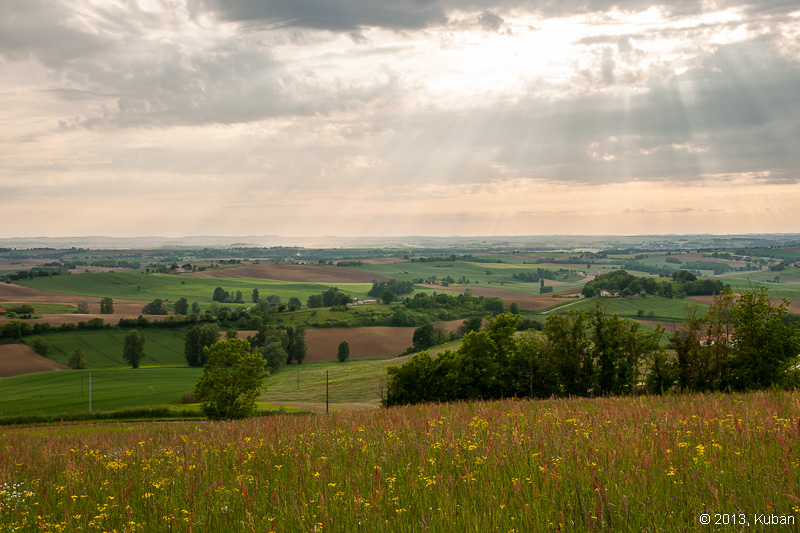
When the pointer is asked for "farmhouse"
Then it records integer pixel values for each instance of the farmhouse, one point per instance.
(710, 340)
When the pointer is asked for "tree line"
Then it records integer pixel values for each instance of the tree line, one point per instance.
(740, 344)
(684, 283)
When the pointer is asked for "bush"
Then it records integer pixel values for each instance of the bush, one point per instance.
(190, 397)
(343, 352)
(40, 346)
(76, 360)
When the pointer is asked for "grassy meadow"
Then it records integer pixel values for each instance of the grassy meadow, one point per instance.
(669, 309)
(612, 464)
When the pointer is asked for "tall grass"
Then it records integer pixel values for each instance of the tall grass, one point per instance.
(616, 464)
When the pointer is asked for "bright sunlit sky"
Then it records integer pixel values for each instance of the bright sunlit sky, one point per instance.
(398, 117)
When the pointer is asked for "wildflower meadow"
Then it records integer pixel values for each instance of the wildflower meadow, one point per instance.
(608, 464)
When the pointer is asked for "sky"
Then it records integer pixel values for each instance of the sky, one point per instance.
(398, 117)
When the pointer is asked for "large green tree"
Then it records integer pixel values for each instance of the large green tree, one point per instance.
(232, 379)
(198, 338)
(133, 348)
(763, 345)
(295, 344)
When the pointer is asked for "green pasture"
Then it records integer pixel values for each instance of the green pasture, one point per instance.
(354, 381)
(788, 254)
(68, 391)
(789, 275)
(499, 274)
(146, 287)
(324, 317)
(667, 309)
(44, 309)
(776, 290)
(103, 348)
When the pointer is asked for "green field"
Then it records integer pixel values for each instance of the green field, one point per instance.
(68, 391)
(46, 309)
(145, 287)
(776, 290)
(103, 348)
(668, 309)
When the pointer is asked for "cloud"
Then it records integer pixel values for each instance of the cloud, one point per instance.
(333, 15)
(490, 21)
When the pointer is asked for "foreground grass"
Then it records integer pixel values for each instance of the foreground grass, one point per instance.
(629, 464)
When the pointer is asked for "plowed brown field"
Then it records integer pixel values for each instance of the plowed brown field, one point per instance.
(18, 359)
(380, 341)
(299, 273)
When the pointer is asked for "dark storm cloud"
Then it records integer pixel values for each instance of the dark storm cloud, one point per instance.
(490, 21)
(334, 15)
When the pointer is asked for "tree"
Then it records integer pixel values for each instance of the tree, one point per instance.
(133, 348)
(274, 355)
(471, 324)
(295, 344)
(239, 297)
(231, 381)
(40, 346)
(220, 295)
(315, 300)
(254, 296)
(156, 307)
(182, 306)
(294, 303)
(83, 306)
(76, 360)
(198, 338)
(763, 345)
(107, 306)
(195, 308)
(387, 296)
(344, 352)
(424, 337)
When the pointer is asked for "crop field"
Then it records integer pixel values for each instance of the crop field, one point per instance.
(103, 348)
(67, 391)
(289, 272)
(671, 309)
(776, 290)
(44, 308)
(137, 286)
(612, 464)
(480, 273)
